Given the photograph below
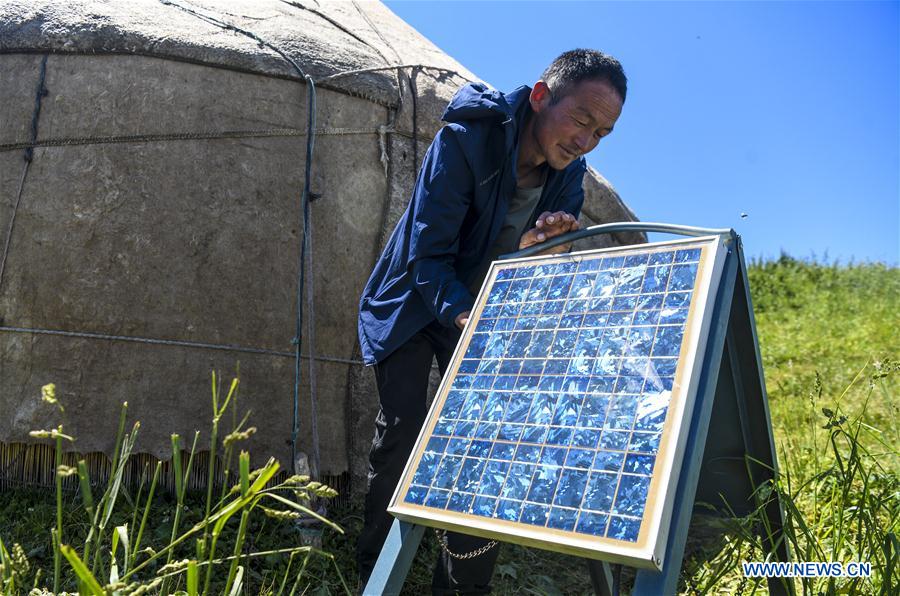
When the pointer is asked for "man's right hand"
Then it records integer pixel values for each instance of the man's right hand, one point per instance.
(550, 225)
(462, 318)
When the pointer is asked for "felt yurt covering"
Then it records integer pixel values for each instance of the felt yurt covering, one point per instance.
(151, 167)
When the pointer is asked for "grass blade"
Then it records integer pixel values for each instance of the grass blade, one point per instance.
(84, 483)
(136, 506)
(122, 533)
(86, 578)
(238, 582)
(244, 463)
(119, 435)
(58, 536)
(306, 510)
(140, 532)
(286, 574)
(176, 465)
(7, 579)
(235, 570)
(193, 578)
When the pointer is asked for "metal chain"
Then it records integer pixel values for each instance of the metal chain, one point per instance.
(442, 540)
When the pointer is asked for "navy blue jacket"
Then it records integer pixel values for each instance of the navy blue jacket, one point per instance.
(456, 212)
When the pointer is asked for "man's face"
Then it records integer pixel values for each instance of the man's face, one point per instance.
(573, 126)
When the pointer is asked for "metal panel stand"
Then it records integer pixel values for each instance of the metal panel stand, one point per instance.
(604, 577)
(728, 460)
(396, 556)
(400, 548)
(732, 392)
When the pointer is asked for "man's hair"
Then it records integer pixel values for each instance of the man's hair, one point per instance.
(575, 66)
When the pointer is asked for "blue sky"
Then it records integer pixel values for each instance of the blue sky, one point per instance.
(786, 111)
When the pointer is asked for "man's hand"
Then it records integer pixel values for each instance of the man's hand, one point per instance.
(549, 225)
(462, 318)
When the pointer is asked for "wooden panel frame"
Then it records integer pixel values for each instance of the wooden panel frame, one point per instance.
(648, 550)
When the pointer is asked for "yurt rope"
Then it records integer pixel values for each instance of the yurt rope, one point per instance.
(29, 155)
(203, 135)
(337, 25)
(305, 257)
(356, 71)
(306, 250)
(305, 246)
(397, 58)
(176, 342)
(413, 73)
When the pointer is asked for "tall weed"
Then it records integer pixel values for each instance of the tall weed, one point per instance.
(845, 507)
(208, 556)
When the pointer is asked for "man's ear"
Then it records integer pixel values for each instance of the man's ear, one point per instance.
(540, 96)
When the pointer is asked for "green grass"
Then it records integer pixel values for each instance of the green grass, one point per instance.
(27, 514)
(830, 345)
(111, 549)
(827, 321)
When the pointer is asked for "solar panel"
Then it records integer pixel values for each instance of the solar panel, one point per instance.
(561, 420)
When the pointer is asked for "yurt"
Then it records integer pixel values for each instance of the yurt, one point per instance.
(154, 192)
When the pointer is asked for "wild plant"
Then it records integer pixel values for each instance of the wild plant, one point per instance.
(844, 508)
(116, 560)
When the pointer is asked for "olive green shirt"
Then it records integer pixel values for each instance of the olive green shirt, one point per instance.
(519, 219)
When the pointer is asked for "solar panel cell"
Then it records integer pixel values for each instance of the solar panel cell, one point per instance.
(562, 519)
(601, 487)
(508, 510)
(437, 498)
(592, 523)
(623, 529)
(631, 495)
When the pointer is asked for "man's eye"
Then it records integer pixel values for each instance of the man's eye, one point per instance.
(579, 122)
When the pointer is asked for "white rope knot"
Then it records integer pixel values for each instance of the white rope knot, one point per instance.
(383, 130)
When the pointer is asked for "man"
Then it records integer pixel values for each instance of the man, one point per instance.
(501, 159)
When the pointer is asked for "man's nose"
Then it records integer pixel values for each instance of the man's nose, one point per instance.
(583, 142)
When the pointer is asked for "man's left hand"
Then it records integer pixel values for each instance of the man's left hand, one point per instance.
(550, 225)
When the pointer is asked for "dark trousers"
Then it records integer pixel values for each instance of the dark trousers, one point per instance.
(402, 381)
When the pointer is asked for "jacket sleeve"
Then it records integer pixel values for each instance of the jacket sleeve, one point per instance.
(441, 200)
